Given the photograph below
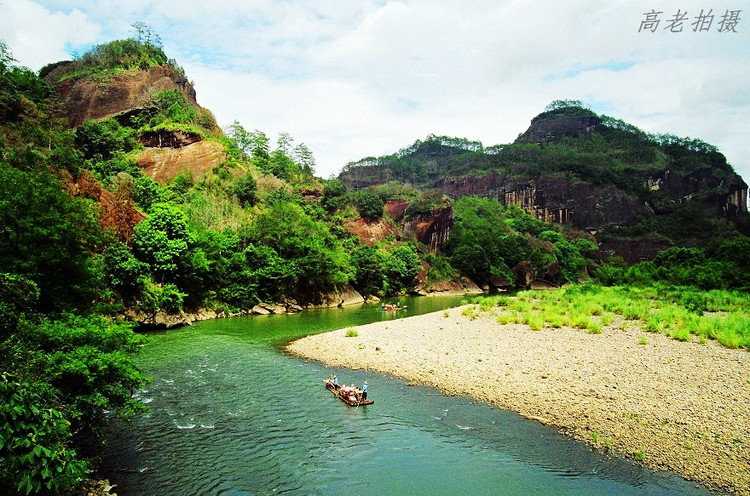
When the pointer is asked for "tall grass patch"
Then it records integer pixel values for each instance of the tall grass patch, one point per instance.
(675, 311)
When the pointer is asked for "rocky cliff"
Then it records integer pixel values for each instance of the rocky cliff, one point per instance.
(127, 96)
(542, 130)
(551, 198)
(94, 98)
(576, 168)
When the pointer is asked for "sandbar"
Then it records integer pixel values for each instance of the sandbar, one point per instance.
(669, 405)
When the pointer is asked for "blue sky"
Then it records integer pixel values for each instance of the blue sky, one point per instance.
(365, 78)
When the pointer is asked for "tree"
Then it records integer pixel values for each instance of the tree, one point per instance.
(241, 137)
(369, 205)
(6, 58)
(101, 140)
(279, 165)
(146, 192)
(402, 266)
(63, 379)
(162, 241)
(333, 193)
(259, 144)
(311, 260)
(303, 156)
(284, 143)
(47, 237)
(563, 104)
(471, 260)
(145, 35)
(47, 465)
(122, 271)
(245, 189)
(368, 270)
(482, 243)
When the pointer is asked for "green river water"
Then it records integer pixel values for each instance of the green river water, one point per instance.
(231, 414)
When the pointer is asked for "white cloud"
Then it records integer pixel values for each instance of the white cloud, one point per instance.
(37, 37)
(352, 79)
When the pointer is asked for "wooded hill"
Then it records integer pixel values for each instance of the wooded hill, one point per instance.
(591, 172)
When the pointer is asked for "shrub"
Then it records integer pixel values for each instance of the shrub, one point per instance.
(103, 139)
(36, 456)
(369, 205)
(245, 189)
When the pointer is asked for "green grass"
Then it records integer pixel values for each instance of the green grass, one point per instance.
(470, 312)
(535, 321)
(681, 313)
(351, 333)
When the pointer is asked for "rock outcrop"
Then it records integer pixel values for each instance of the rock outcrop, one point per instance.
(163, 164)
(431, 229)
(346, 295)
(90, 98)
(370, 232)
(542, 130)
(127, 97)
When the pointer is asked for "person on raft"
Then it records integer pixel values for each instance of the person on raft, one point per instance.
(364, 391)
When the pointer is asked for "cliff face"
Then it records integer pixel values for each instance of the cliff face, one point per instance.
(127, 95)
(553, 129)
(90, 98)
(550, 198)
(431, 229)
(163, 164)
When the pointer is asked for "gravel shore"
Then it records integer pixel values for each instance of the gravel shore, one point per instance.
(679, 406)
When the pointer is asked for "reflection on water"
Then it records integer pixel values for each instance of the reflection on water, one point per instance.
(231, 414)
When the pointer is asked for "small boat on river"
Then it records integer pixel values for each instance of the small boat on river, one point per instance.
(389, 307)
(350, 395)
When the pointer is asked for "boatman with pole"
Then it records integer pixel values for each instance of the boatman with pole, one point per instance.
(364, 391)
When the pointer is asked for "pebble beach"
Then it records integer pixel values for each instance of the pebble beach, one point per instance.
(670, 405)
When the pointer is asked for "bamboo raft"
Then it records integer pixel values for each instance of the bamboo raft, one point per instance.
(350, 395)
(392, 308)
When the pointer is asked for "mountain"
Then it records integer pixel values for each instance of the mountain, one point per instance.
(638, 193)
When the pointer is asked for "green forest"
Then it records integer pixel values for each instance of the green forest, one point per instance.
(259, 227)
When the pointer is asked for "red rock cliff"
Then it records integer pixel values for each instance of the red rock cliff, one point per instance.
(91, 98)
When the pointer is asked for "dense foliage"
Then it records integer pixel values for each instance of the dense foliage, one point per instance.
(62, 376)
(489, 239)
(722, 265)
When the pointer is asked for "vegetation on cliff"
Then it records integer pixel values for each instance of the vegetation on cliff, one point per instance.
(142, 51)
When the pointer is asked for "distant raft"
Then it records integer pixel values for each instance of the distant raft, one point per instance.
(392, 308)
(350, 395)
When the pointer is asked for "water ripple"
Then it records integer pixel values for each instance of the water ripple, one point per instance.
(232, 417)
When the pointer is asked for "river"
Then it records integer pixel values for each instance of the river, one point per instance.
(230, 414)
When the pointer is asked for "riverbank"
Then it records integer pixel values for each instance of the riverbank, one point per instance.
(671, 405)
